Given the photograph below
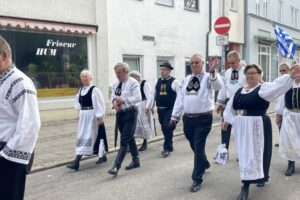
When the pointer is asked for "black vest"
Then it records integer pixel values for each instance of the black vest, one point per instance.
(86, 100)
(164, 95)
(292, 98)
(142, 90)
(251, 102)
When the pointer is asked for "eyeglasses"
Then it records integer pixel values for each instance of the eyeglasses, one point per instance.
(195, 62)
(251, 73)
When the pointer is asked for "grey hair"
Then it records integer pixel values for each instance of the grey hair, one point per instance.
(199, 56)
(234, 54)
(86, 72)
(135, 73)
(123, 66)
(284, 64)
(4, 47)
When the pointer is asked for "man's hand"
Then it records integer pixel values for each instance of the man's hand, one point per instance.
(117, 106)
(147, 110)
(173, 122)
(224, 126)
(100, 121)
(219, 109)
(278, 120)
(119, 100)
(213, 64)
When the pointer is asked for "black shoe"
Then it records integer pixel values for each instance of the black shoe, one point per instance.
(75, 164)
(113, 171)
(291, 168)
(143, 147)
(132, 165)
(244, 194)
(207, 165)
(101, 160)
(276, 145)
(260, 184)
(165, 153)
(195, 187)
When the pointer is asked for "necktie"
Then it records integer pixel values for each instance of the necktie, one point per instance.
(234, 75)
(119, 89)
(194, 84)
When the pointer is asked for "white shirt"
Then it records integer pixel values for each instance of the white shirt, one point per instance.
(197, 102)
(231, 86)
(19, 115)
(97, 100)
(148, 93)
(131, 93)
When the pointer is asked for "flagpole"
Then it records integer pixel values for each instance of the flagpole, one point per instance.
(283, 42)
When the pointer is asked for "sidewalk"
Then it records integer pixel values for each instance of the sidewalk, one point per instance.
(56, 142)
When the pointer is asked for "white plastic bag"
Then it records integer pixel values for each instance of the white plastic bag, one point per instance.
(221, 155)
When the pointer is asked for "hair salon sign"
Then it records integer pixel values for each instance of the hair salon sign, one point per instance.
(52, 46)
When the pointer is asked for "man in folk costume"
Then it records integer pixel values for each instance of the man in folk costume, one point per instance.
(124, 97)
(196, 101)
(91, 135)
(165, 93)
(247, 112)
(144, 127)
(234, 79)
(283, 69)
(289, 109)
(20, 123)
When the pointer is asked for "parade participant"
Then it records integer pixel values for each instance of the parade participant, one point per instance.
(289, 109)
(124, 97)
(91, 131)
(144, 127)
(165, 93)
(196, 100)
(246, 111)
(20, 123)
(283, 69)
(234, 79)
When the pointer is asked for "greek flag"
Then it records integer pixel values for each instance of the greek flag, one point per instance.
(286, 45)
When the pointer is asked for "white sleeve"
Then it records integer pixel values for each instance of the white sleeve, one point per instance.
(178, 105)
(19, 148)
(77, 105)
(135, 96)
(148, 94)
(216, 83)
(280, 104)
(98, 103)
(113, 95)
(222, 96)
(229, 112)
(270, 91)
(176, 86)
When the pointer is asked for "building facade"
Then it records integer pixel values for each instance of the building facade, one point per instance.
(53, 41)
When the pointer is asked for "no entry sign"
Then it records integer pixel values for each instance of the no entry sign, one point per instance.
(222, 25)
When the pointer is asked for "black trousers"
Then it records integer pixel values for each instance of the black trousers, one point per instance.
(225, 134)
(164, 117)
(267, 151)
(12, 180)
(127, 124)
(196, 131)
(101, 135)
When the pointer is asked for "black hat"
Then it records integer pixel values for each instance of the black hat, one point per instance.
(166, 64)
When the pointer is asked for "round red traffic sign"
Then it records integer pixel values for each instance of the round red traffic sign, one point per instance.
(222, 25)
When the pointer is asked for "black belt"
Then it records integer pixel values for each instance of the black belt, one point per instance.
(2, 145)
(128, 109)
(251, 112)
(87, 108)
(194, 115)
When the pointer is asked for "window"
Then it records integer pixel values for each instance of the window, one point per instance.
(133, 62)
(264, 61)
(165, 2)
(188, 70)
(257, 8)
(280, 11)
(233, 5)
(296, 17)
(265, 8)
(274, 63)
(52, 61)
(262, 8)
(191, 5)
(292, 15)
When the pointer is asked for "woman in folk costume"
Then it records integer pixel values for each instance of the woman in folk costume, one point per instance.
(289, 109)
(144, 127)
(246, 111)
(91, 135)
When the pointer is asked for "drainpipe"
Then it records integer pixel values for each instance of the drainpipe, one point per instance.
(208, 33)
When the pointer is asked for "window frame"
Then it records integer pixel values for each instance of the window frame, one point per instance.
(197, 9)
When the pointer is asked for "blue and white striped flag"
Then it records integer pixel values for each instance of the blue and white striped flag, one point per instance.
(286, 45)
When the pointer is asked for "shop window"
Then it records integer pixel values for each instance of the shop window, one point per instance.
(52, 61)
(192, 5)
